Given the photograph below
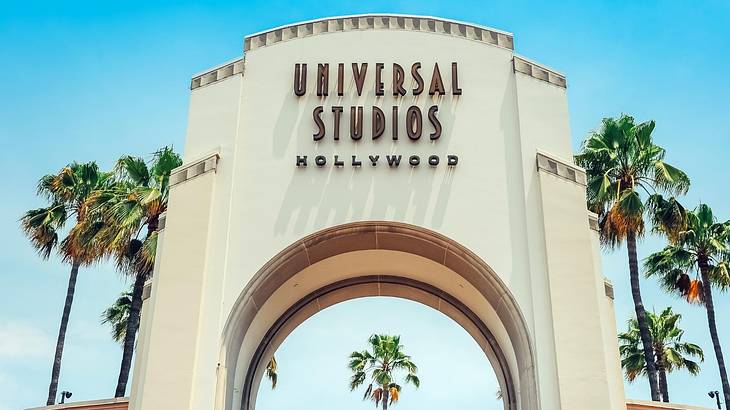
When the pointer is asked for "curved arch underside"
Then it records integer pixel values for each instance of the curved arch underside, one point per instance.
(370, 259)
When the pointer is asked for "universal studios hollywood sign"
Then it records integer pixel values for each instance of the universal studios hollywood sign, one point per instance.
(328, 119)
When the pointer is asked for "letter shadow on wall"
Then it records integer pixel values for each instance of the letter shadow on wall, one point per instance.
(319, 197)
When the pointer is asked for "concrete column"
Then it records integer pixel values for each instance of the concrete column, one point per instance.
(171, 335)
(580, 350)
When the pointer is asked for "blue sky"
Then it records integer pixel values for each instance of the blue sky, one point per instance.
(95, 80)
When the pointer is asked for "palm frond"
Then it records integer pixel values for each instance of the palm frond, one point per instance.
(116, 316)
(670, 351)
(272, 369)
(624, 167)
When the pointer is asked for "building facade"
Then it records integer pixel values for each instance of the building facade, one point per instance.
(368, 155)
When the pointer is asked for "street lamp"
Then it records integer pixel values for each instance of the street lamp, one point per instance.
(715, 395)
(67, 394)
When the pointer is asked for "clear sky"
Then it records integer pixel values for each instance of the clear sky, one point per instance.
(95, 80)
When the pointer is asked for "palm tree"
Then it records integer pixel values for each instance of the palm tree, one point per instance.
(117, 316)
(381, 364)
(131, 210)
(700, 249)
(623, 165)
(67, 192)
(272, 371)
(670, 352)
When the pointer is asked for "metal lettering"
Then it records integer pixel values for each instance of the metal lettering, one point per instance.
(393, 160)
(437, 84)
(399, 77)
(455, 90)
(337, 111)
(359, 74)
(414, 122)
(417, 77)
(379, 86)
(300, 79)
(320, 124)
(435, 122)
(356, 123)
(323, 79)
(378, 120)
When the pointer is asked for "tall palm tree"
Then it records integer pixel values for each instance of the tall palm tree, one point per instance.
(272, 371)
(670, 352)
(131, 210)
(624, 167)
(381, 364)
(117, 315)
(66, 192)
(699, 249)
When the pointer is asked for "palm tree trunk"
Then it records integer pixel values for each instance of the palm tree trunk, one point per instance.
(663, 386)
(131, 333)
(710, 307)
(56, 372)
(386, 393)
(641, 316)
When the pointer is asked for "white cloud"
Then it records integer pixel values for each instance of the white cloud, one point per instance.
(22, 340)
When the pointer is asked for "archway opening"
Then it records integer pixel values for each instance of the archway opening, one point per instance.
(312, 371)
(374, 259)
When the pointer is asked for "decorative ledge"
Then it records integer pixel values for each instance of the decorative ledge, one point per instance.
(217, 74)
(162, 221)
(608, 288)
(536, 71)
(147, 290)
(197, 168)
(379, 22)
(561, 168)
(593, 221)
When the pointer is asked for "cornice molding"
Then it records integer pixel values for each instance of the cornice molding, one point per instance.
(147, 290)
(189, 171)
(425, 24)
(593, 221)
(561, 168)
(608, 288)
(534, 70)
(217, 74)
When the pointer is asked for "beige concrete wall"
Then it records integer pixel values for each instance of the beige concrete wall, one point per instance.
(608, 325)
(543, 125)
(582, 376)
(172, 339)
(225, 225)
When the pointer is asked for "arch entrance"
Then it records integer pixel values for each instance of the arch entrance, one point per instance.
(375, 259)
(247, 190)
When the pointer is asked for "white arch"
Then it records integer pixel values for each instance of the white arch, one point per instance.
(374, 258)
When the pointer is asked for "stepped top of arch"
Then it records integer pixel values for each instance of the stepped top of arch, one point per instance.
(362, 22)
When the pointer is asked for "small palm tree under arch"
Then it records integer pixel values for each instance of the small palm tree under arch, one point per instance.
(383, 363)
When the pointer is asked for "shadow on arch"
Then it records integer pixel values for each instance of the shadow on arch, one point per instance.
(374, 259)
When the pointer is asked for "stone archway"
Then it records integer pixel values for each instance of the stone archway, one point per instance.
(367, 259)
